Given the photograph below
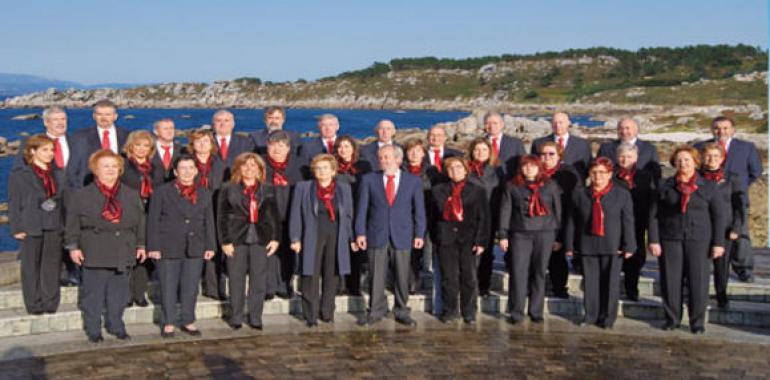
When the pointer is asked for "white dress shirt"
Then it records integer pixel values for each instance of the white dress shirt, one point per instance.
(113, 136)
(396, 181)
(65, 148)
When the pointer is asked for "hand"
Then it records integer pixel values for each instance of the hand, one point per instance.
(141, 255)
(296, 247)
(717, 252)
(154, 255)
(76, 256)
(569, 253)
(228, 250)
(504, 245)
(22, 235)
(418, 243)
(627, 255)
(271, 247)
(208, 255)
(556, 246)
(655, 249)
(353, 246)
(733, 236)
(361, 241)
(478, 250)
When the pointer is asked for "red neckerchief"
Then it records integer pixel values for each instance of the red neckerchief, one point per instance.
(250, 193)
(111, 211)
(686, 188)
(326, 194)
(416, 170)
(145, 189)
(550, 172)
(279, 171)
(597, 212)
(204, 168)
(627, 175)
(453, 207)
(536, 206)
(477, 167)
(345, 167)
(714, 175)
(46, 176)
(188, 192)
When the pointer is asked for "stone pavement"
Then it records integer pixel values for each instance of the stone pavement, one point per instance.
(490, 348)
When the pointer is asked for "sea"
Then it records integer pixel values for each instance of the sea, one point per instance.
(356, 123)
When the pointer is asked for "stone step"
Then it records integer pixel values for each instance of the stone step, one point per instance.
(16, 322)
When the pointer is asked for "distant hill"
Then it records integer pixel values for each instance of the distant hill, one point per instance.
(18, 84)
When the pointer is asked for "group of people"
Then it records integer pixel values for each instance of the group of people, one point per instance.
(230, 212)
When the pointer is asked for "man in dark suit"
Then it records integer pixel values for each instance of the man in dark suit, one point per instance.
(508, 149)
(275, 117)
(385, 131)
(166, 150)
(230, 144)
(577, 151)
(55, 122)
(328, 126)
(628, 131)
(390, 220)
(86, 141)
(743, 159)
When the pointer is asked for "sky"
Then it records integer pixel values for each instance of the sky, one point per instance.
(143, 41)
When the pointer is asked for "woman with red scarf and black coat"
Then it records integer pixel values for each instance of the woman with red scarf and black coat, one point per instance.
(105, 233)
(249, 232)
(729, 185)
(600, 229)
(181, 234)
(141, 175)
(211, 175)
(641, 184)
(284, 170)
(530, 216)
(461, 233)
(37, 194)
(415, 152)
(688, 221)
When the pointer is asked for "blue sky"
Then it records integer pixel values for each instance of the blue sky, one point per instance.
(159, 41)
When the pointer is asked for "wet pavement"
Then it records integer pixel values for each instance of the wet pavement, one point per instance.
(490, 348)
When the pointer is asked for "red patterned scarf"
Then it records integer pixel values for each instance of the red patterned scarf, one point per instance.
(550, 172)
(597, 212)
(188, 192)
(204, 168)
(111, 211)
(326, 194)
(477, 167)
(453, 206)
(686, 188)
(46, 176)
(145, 189)
(345, 167)
(627, 175)
(250, 195)
(536, 206)
(279, 171)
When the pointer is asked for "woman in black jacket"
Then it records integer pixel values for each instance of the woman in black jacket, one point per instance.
(180, 236)
(687, 226)
(248, 230)
(530, 215)
(105, 233)
(600, 228)
(414, 163)
(461, 233)
(37, 193)
(729, 186)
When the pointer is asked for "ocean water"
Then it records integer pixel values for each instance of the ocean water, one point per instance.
(357, 123)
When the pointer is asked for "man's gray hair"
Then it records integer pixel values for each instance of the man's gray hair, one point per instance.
(491, 114)
(53, 110)
(627, 147)
(398, 154)
(328, 116)
(222, 112)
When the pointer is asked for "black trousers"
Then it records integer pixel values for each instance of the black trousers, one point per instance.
(558, 271)
(41, 258)
(380, 260)
(530, 254)
(601, 278)
(280, 268)
(353, 279)
(138, 279)
(632, 267)
(248, 259)
(105, 291)
(742, 255)
(486, 264)
(179, 280)
(324, 271)
(458, 277)
(214, 276)
(682, 260)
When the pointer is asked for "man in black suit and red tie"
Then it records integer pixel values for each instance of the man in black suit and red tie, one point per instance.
(328, 126)
(229, 143)
(274, 117)
(577, 151)
(55, 122)
(166, 150)
(628, 132)
(508, 149)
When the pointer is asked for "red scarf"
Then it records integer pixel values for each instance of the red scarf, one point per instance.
(46, 176)
(345, 167)
(416, 170)
(326, 194)
(111, 211)
(714, 175)
(536, 206)
(597, 212)
(279, 171)
(453, 207)
(204, 168)
(188, 192)
(250, 193)
(627, 175)
(686, 188)
(145, 190)
(550, 172)
(477, 167)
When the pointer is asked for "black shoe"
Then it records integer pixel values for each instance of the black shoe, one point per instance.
(484, 293)
(95, 339)
(256, 326)
(190, 332)
(561, 294)
(122, 335)
(354, 293)
(129, 304)
(584, 323)
(142, 302)
(368, 321)
(167, 335)
(234, 326)
(605, 325)
(723, 304)
(284, 295)
(468, 321)
(697, 330)
(213, 297)
(513, 320)
(633, 297)
(407, 321)
(670, 326)
(326, 320)
(537, 320)
(268, 297)
(746, 277)
(311, 324)
(447, 318)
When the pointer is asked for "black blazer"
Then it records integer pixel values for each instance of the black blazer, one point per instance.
(26, 194)
(259, 139)
(476, 224)
(577, 152)
(233, 215)
(642, 195)
(706, 217)
(132, 177)
(648, 156)
(105, 244)
(310, 148)
(514, 210)
(362, 167)
(618, 224)
(733, 196)
(238, 144)
(743, 159)
(178, 228)
(216, 176)
(157, 164)
(83, 143)
(569, 180)
(295, 171)
(511, 148)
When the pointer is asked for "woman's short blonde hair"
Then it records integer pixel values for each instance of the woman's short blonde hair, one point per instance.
(105, 153)
(134, 138)
(321, 158)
